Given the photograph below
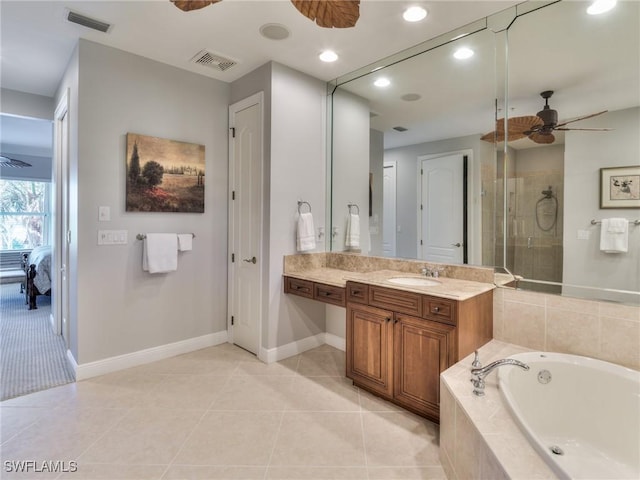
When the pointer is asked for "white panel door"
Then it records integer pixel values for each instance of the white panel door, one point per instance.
(245, 120)
(442, 211)
(389, 210)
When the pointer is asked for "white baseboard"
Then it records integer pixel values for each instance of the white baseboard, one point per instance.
(294, 348)
(141, 357)
(335, 341)
(291, 349)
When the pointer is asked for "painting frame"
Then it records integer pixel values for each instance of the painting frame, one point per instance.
(620, 187)
(164, 175)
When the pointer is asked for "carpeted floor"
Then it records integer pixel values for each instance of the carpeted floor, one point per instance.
(33, 358)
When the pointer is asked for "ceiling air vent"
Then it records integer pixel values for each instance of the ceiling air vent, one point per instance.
(400, 129)
(213, 60)
(85, 21)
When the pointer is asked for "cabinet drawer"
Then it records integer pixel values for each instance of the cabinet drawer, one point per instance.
(439, 309)
(357, 292)
(303, 288)
(329, 294)
(396, 300)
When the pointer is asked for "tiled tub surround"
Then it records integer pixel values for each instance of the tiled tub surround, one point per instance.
(603, 330)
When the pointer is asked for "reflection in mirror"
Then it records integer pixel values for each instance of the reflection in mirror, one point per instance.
(414, 147)
(549, 191)
(590, 65)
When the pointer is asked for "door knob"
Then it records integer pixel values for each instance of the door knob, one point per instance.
(456, 244)
(250, 260)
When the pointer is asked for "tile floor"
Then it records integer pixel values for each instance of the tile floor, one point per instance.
(219, 413)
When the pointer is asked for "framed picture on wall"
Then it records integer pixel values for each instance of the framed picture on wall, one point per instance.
(620, 187)
(164, 175)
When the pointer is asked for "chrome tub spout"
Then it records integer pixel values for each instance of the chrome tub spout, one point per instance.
(478, 372)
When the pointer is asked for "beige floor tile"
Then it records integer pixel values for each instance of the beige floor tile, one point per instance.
(13, 420)
(322, 363)
(407, 473)
(322, 394)
(231, 438)
(63, 435)
(372, 403)
(255, 392)
(207, 472)
(51, 397)
(196, 392)
(288, 366)
(318, 439)
(144, 436)
(400, 439)
(317, 473)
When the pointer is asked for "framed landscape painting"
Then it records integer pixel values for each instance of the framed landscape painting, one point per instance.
(620, 187)
(164, 175)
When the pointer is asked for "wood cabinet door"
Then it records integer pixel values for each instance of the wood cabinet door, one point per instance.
(423, 349)
(370, 348)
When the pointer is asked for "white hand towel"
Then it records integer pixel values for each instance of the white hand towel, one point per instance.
(614, 235)
(185, 242)
(306, 234)
(160, 253)
(353, 231)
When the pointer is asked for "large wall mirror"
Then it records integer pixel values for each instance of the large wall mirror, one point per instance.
(425, 161)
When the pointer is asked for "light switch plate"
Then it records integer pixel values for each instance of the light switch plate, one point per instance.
(104, 214)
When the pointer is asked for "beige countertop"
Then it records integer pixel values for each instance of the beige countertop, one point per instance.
(447, 288)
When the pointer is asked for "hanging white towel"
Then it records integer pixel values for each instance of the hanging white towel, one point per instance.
(614, 235)
(306, 234)
(185, 242)
(160, 252)
(353, 231)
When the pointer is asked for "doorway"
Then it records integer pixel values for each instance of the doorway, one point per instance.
(389, 209)
(246, 222)
(442, 208)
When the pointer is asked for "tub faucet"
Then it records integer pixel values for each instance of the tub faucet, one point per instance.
(478, 372)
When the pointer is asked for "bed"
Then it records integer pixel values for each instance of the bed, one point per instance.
(38, 274)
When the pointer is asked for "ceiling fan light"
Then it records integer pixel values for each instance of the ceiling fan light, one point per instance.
(601, 6)
(414, 14)
(328, 56)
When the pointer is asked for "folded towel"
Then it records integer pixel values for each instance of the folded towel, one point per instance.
(306, 234)
(614, 235)
(353, 231)
(185, 242)
(160, 252)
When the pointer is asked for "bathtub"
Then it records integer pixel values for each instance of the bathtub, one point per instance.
(581, 415)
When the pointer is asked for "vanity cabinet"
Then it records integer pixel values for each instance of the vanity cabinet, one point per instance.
(399, 342)
(315, 290)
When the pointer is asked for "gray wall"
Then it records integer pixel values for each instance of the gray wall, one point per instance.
(26, 104)
(119, 308)
(585, 154)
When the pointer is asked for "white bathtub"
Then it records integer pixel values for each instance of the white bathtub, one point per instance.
(587, 410)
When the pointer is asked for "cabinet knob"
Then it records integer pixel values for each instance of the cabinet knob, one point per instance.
(388, 319)
(436, 309)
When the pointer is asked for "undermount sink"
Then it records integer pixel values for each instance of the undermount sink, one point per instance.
(415, 281)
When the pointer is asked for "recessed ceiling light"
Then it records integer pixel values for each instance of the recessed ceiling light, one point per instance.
(274, 31)
(414, 14)
(328, 56)
(463, 53)
(382, 82)
(601, 6)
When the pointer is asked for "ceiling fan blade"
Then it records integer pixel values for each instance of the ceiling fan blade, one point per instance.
(188, 5)
(330, 13)
(585, 129)
(542, 138)
(12, 162)
(517, 128)
(581, 118)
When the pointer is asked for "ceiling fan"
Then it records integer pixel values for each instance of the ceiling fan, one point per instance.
(326, 13)
(538, 128)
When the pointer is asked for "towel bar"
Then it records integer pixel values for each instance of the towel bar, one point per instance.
(300, 203)
(351, 205)
(632, 222)
(142, 236)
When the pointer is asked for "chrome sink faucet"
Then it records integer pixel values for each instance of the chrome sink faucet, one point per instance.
(431, 272)
(478, 372)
